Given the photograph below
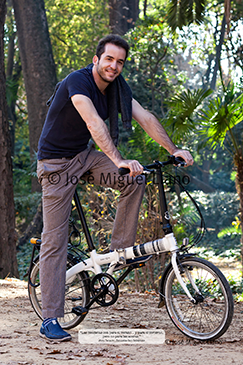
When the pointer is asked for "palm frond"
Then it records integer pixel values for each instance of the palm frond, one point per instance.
(185, 12)
(189, 100)
(220, 117)
(182, 107)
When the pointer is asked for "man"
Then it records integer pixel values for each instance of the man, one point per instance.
(81, 104)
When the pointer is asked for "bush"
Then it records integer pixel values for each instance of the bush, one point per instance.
(25, 209)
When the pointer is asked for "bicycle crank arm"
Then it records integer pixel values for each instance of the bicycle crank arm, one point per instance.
(82, 311)
(179, 278)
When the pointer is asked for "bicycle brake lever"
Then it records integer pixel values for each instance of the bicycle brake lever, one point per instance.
(181, 164)
(178, 161)
(147, 171)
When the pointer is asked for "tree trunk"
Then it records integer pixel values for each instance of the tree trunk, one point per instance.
(8, 261)
(218, 54)
(11, 108)
(145, 6)
(37, 64)
(13, 73)
(123, 15)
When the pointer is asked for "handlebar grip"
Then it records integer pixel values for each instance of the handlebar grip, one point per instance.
(123, 171)
(179, 161)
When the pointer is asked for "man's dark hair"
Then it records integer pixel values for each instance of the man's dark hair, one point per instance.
(113, 39)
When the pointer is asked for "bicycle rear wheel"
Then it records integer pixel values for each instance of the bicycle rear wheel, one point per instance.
(77, 293)
(211, 316)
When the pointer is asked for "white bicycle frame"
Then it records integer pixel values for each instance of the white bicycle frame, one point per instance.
(94, 263)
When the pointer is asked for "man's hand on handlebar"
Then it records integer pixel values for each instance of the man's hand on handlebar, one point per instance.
(187, 157)
(136, 168)
(133, 165)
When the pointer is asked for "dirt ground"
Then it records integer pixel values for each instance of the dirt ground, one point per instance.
(20, 342)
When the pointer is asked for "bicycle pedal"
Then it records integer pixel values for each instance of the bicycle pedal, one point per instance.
(80, 311)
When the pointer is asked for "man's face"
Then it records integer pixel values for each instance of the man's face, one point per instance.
(111, 62)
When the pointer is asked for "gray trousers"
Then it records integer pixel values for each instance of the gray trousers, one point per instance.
(59, 178)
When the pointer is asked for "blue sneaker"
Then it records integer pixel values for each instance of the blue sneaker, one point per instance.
(52, 331)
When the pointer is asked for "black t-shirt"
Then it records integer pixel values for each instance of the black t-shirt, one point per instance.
(65, 133)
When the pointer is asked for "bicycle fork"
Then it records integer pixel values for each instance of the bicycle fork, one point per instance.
(180, 280)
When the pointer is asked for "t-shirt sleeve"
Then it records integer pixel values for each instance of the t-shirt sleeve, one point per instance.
(78, 83)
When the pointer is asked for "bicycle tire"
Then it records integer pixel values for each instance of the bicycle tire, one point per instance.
(77, 293)
(212, 315)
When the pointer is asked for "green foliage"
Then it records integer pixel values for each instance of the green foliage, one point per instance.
(141, 147)
(236, 286)
(25, 207)
(154, 78)
(221, 115)
(23, 258)
(75, 28)
(21, 161)
(233, 230)
(219, 209)
(11, 90)
(183, 12)
(151, 70)
(99, 205)
(234, 43)
(182, 112)
(212, 167)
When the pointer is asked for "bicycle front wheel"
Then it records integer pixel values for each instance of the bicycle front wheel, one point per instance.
(212, 313)
(77, 293)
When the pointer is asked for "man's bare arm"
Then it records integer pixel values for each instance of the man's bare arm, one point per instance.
(101, 135)
(156, 131)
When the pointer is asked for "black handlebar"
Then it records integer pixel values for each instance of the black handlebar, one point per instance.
(123, 171)
(178, 161)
